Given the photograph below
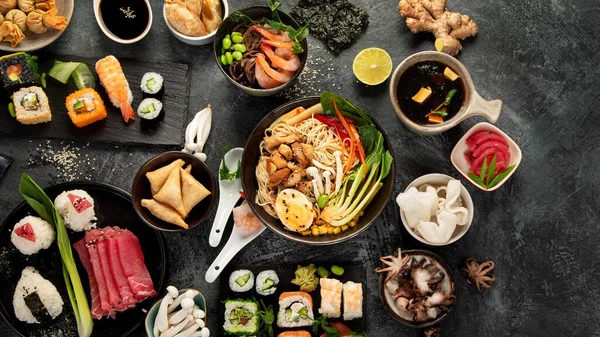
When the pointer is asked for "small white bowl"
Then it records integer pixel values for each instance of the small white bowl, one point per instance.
(457, 157)
(112, 36)
(438, 179)
(196, 40)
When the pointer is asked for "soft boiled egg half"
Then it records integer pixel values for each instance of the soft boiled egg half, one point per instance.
(294, 210)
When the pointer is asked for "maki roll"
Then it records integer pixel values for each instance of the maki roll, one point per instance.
(331, 297)
(18, 70)
(36, 299)
(32, 234)
(241, 317)
(85, 107)
(152, 84)
(241, 281)
(266, 282)
(353, 301)
(295, 309)
(31, 106)
(150, 109)
(76, 207)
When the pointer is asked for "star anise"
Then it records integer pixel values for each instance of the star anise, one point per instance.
(479, 274)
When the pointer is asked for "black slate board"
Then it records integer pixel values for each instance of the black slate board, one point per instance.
(354, 273)
(169, 131)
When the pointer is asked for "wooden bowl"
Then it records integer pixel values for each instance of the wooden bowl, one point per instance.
(141, 190)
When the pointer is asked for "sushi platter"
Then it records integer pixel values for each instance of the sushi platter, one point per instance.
(112, 207)
(166, 130)
(274, 286)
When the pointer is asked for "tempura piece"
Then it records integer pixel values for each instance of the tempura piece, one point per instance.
(183, 19)
(10, 32)
(164, 212)
(211, 15)
(54, 21)
(158, 177)
(192, 191)
(170, 193)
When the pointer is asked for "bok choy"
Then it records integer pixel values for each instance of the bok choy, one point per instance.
(39, 201)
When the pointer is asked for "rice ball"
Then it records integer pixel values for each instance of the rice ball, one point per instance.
(76, 207)
(32, 282)
(32, 234)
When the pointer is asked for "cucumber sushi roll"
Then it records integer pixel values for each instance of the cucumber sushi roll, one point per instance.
(152, 83)
(241, 317)
(241, 281)
(150, 108)
(266, 282)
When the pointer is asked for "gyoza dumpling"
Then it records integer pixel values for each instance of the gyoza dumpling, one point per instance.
(1, 18)
(44, 5)
(211, 15)
(158, 177)
(183, 19)
(194, 5)
(54, 21)
(18, 18)
(7, 5)
(164, 212)
(454, 202)
(9, 32)
(418, 206)
(192, 191)
(170, 193)
(27, 6)
(35, 22)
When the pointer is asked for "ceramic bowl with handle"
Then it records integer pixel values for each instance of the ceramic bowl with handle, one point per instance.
(473, 104)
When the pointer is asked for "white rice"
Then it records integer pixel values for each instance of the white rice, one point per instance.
(262, 277)
(295, 303)
(78, 222)
(158, 83)
(353, 300)
(44, 235)
(152, 114)
(31, 281)
(237, 274)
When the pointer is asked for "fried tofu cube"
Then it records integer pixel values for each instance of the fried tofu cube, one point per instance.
(450, 74)
(422, 95)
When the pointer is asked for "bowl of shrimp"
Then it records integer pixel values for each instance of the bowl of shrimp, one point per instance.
(256, 58)
(195, 22)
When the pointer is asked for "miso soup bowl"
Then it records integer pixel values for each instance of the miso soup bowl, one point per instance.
(474, 104)
(112, 36)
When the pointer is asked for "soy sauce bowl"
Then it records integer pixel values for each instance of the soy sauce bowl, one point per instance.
(128, 14)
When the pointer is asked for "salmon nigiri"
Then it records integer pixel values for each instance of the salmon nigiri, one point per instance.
(113, 80)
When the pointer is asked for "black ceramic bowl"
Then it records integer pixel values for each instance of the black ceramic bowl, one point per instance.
(250, 185)
(256, 12)
(386, 301)
(141, 190)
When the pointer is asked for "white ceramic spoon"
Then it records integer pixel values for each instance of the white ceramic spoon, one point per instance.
(229, 194)
(238, 240)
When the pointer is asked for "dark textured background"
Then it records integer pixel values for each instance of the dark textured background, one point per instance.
(541, 228)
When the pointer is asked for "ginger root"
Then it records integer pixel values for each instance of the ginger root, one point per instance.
(433, 16)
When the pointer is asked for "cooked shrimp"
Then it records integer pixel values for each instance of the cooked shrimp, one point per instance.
(282, 76)
(245, 219)
(278, 44)
(113, 80)
(290, 64)
(264, 81)
(281, 36)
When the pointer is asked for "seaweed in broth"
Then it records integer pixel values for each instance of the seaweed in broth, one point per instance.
(428, 74)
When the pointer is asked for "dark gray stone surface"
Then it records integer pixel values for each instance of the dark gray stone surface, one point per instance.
(540, 57)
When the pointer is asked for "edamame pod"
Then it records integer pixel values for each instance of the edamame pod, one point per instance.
(226, 43)
(237, 38)
(237, 55)
(229, 57)
(239, 47)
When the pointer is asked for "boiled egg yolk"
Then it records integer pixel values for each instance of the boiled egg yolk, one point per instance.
(294, 210)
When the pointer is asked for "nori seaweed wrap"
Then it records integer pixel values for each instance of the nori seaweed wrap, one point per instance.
(18, 70)
(38, 310)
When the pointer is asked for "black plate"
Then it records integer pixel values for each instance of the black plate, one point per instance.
(354, 273)
(113, 208)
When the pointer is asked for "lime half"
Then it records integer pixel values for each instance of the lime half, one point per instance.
(372, 66)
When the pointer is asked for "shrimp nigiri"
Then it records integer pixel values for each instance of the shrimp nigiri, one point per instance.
(113, 80)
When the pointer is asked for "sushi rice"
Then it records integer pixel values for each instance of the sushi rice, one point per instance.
(77, 221)
(150, 108)
(241, 281)
(31, 281)
(43, 235)
(152, 83)
(266, 282)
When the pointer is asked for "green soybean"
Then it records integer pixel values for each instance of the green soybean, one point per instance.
(236, 33)
(237, 38)
(323, 273)
(11, 109)
(229, 57)
(322, 201)
(239, 47)
(226, 43)
(237, 55)
(337, 270)
(223, 60)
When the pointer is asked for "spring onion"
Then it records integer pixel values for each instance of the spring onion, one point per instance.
(39, 201)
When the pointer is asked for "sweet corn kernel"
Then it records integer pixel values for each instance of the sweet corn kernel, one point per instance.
(352, 223)
(344, 227)
(306, 232)
(322, 230)
(330, 230)
(337, 230)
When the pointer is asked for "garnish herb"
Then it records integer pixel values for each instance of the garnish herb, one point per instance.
(224, 172)
(486, 177)
(449, 96)
(267, 318)
(330, 331)
(11, 109)
(39, 201)
(295, 35)
(441, 112)
(43, 80)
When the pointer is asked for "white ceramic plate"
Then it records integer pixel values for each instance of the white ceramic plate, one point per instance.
(34, 41)
(460, 162)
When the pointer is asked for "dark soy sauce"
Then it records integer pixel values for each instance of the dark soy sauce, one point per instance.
(126, 19)
(428, 74)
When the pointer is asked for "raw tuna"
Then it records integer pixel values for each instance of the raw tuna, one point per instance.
(116, 269)
(484, 136)
(84, 256)
(80, 204)
(132, 262)
(26, 232)
(98, 276)
(486, 144)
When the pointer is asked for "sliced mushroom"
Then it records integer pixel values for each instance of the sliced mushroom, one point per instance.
(286, 151)
(299, 154)
(277, 177)
(278, 160)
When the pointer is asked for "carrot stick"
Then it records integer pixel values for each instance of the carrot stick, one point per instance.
(355, 142)
(435, 119)
(351, 157)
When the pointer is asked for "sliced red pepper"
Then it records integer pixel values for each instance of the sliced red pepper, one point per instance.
(354, 137)
(243, 194)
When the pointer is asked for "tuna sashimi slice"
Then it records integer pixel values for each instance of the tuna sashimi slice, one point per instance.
(132, 262)
(96, 236)
(97, 271)
(480, 137)
(84, 256)
(116, 269)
